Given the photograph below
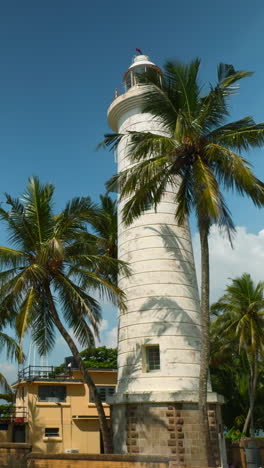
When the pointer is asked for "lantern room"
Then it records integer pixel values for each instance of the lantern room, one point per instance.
(140, 65)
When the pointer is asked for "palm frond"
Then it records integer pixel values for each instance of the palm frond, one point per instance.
(93, 281)
(184, 79)
(142, 186)
(111, 141)
(240, 135)
(227, 76)
(42, 324)
(4, 384)
(38, 208)
(234, 173)
(74, 217)
(76, 303)
(13, 350)
(212, 110)
(12, 257)
(104, 224)
(24, 318)
(207, 191)
(161, 105)
(20, 231)
(184, 197)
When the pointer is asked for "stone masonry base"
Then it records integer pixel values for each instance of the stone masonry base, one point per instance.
(164, 429)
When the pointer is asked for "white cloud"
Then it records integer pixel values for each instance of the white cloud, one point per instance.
(104, 325)
(110, 338)
(247, 255)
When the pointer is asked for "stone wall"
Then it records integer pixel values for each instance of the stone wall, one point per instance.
(171, 430)
(37, 460)
(13, 455)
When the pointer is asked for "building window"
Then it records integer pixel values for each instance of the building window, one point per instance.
(52, 393)
(152, 358)
(104, 392)
(3, 427)
(52, 432)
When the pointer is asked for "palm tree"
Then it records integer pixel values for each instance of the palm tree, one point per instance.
(49, 276)
(104, 224)
(229, 377)
(198, 152)
(13, 351)
(240, 315)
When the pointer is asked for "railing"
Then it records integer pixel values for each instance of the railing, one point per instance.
(123, 89)
(42, 373)
(14, 414)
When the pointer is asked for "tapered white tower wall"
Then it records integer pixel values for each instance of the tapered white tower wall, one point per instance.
(161, 294)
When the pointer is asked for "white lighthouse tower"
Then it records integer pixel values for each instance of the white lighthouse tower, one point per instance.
(155, 408)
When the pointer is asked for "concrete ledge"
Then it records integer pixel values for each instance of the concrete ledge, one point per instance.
(163, 397)
(99, 457)
(14, 445)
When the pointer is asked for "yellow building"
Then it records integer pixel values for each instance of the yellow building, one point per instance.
(55, 412)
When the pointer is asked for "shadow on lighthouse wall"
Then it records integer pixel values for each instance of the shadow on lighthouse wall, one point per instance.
(174, 312)
(175, 246)
(173, 315)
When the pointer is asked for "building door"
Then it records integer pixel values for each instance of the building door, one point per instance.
(19, 433)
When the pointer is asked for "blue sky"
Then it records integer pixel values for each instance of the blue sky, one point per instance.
(61, 61)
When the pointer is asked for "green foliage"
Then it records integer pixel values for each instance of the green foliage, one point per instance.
(10, 396)
(199, 150)
(237, 350)
(94, 358)
(5, 410)
(240, 314)
(230, 379)
(101, 357)
(234, 434)
(57, 259)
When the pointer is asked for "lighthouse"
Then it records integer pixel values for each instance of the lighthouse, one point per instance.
(155, 408)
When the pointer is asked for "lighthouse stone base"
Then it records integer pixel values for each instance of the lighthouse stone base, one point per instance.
(165, 424)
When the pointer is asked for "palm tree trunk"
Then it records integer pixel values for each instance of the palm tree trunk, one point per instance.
(105, 429)
(252, 393)
(205, 340)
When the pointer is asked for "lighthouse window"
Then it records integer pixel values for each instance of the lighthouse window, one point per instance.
(141, 69)
(128, 82)
(148, 206)
(153, 357)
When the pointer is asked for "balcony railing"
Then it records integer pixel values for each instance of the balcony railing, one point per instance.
(14, 414)
(43, 373)
(123, 89)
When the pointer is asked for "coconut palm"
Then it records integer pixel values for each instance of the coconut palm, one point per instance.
(240, 315)
(229, 372)
(49, 276)
(197, 154)
(104, 224)
(229, 376)
(13, 351)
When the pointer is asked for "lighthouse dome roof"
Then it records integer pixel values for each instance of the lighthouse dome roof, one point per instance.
(141, 60)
